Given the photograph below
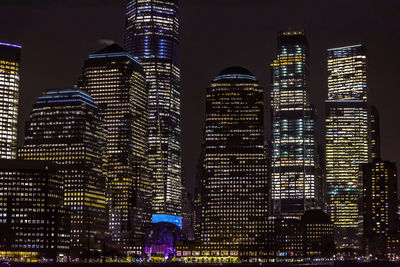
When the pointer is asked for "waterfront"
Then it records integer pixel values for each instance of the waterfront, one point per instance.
(339, 264)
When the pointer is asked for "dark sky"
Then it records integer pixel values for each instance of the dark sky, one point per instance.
(57, 35)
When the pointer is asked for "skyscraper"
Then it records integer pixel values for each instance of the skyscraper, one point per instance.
(66, 127)
(346, 141)
(9, 92)
(380, 219)
(117, 83)
(152, 35)
(234, 203)
(294, 159)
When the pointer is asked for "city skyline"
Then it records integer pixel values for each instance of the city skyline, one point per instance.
(321, 33)
(289, 171)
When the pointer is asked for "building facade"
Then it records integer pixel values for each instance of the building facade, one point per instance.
(380, 219)
(347, 141)
(318, 237)
(152, 35)
(66, 127)
(234, 186)
(283, 241)
(117, 83)
(10, 56)
(295, 183)
(375, 133)
(33, 218)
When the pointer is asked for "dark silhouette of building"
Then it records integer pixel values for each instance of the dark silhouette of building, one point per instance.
(33, 222)
(66, 127)
(318, 238)
(295, 184)
(380, 219)
(116, 81)
(294, 240)
(375, 133)
(152, 35)
(234, 193)
(187, 216)
(198, 195)
(283, 240)
(10, 56)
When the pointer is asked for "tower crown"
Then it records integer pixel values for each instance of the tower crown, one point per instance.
(235, 73)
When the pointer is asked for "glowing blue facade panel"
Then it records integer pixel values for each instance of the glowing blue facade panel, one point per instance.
(177, 220)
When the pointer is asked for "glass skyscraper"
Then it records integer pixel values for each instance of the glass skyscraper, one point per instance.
(10, 55)
(117, 83)
(234, 185)
(295, 183)
(66, 127)
(152, 35)
(347, 141)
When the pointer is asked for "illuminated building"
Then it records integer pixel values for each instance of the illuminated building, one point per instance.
(380, 220)
(318, 239)
(194, 253)
(346, 141)
(234, 186)
(117, 83)
(66, 127)
(152, 35)
(295, 184)
(32, 216)
(9, 92)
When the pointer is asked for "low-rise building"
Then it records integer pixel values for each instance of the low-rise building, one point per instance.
(32, 215)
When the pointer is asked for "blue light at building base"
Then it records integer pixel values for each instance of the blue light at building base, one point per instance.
(177, 220)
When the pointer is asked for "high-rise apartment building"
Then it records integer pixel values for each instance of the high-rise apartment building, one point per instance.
(33, 219)
(117, 83)
(380, 219)
(347, 141)
(152, 35)
(66, 127)
(234, 186)
(295, 183)
(10, 55)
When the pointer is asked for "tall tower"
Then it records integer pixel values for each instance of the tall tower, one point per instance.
(9, 93)
(294, 159)
(346, 141)
(66, 127)
(117, 83)
(152, 35)
(234, 204)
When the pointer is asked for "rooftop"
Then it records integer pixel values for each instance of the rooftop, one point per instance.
(235, 73)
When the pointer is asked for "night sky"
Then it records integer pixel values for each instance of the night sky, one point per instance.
(57, 37)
